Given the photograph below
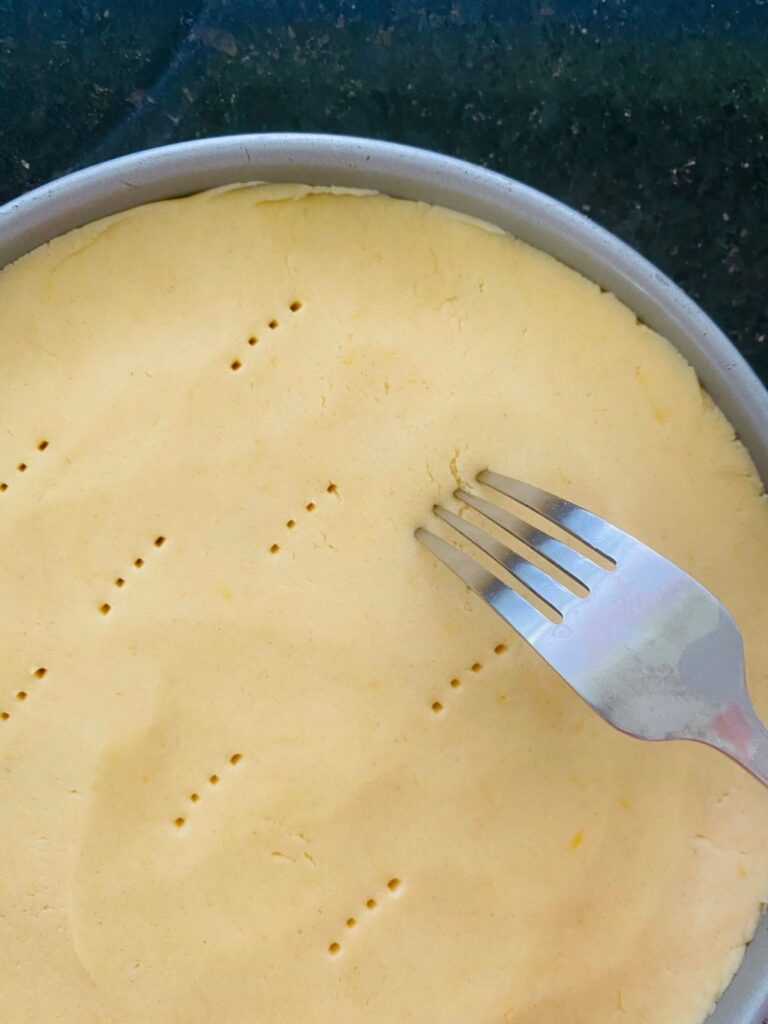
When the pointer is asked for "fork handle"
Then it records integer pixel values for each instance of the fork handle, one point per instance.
(759, 761)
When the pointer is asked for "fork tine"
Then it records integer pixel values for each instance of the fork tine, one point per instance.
(584, 525)
(579, 568)
(558, 597)
(514, 609)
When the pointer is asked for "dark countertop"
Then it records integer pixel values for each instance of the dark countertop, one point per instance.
(650, 116)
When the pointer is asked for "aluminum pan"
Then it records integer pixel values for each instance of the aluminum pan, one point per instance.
(410, 173)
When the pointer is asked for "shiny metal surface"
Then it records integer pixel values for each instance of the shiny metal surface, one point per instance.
(178, 170)
(645, 645)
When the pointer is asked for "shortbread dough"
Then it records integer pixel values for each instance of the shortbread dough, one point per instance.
(262, 757)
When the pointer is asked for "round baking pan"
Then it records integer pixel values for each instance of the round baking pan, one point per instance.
(408, 173)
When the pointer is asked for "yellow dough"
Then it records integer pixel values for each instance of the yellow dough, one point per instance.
(262, 758)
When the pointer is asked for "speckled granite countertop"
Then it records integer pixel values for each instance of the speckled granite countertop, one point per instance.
(649, 116)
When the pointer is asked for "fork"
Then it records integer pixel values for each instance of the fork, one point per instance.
(645, 645)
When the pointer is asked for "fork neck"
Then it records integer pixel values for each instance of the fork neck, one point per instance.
(738, 732)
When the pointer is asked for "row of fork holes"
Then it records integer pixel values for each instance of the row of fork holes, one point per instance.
(455, 683)
(22, 467)
(393, 885)
(294, 307)
(120, 581)
(291, 524)
(213, 780)
(21, 695)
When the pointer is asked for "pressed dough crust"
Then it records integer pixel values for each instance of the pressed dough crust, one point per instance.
(522, 860)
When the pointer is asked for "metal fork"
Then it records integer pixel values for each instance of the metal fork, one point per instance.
(645, 645)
